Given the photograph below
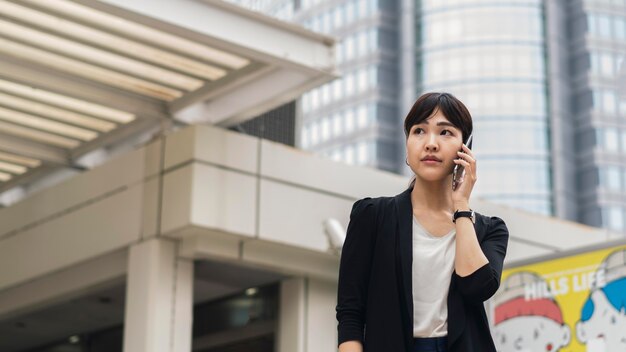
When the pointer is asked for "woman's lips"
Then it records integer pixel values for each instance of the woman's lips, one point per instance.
(430, 161)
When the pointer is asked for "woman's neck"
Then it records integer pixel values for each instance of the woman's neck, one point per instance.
(432, 196)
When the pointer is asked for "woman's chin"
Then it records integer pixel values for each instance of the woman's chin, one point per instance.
(432, 177)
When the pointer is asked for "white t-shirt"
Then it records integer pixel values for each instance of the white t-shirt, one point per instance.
(433, 264)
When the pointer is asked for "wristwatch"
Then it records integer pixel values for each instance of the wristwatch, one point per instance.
(464, 214)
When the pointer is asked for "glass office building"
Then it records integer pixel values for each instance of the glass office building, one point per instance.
(491, 55)
(353, 119)
(598, 49)
(541, 79)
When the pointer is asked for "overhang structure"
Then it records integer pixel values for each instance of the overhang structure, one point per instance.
(79, 75)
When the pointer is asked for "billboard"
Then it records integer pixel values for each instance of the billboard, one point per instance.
(568, 304)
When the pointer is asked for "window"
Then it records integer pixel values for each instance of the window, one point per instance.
(373, 40)
(325, 94)
(305, 137)
(362, 153)
(611, 139)
(337, 124)
(314, 133)
(362, 80)
(604, 23)
(349, 120)
(350, 12)
(592, 23)
(339, 52)
(609, 101)
(362, 116)
(314, 99)
(350, 154)
(372, 6)
(350, 84)
(363, 48)
(337, 91)
(373, 77)
(613, 179)
(620, 28)
(350, 48)
(306, 98)
(606, 65)
(338, 16)
(325, 129)
(615, 218)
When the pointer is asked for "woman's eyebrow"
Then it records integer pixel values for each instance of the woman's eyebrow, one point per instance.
(440, 123)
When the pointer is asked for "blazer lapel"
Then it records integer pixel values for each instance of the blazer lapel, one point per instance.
(404, 250)
(404, 237)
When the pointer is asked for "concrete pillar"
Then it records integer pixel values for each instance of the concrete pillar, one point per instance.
(307, 316)
(159, 299)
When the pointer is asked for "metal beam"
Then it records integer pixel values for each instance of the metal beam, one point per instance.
(47, 154)
(252, 99)
(40, 77)
(221, 86)
(231, 27)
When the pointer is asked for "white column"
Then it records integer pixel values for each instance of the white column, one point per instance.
(159, 299)
(307, 316)
(291, 317)
(321, 321)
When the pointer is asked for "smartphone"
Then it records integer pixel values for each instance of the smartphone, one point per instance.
(459, 170)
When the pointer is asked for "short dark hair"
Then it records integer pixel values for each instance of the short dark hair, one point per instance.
(455, 111)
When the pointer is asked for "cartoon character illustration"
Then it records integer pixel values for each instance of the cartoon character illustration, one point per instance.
(528, 324)
(602, 326)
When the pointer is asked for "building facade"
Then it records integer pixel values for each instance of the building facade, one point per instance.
(541, 79)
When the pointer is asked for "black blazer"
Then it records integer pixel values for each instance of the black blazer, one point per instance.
(375, 300)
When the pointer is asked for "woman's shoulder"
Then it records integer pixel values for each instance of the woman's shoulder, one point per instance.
(376, 202)
(490, 223)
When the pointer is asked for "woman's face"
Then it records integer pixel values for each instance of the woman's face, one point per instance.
(437, 137)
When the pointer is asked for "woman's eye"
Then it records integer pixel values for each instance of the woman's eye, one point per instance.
(417, 130)
(447, 131)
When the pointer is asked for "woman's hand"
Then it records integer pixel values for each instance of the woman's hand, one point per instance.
(461, 195)
(351, 346)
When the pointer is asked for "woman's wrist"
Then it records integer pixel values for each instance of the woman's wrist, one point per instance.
(461, 205)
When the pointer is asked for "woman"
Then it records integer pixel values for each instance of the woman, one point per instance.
(411, 279)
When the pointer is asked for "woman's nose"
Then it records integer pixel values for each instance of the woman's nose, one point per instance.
(431, 143)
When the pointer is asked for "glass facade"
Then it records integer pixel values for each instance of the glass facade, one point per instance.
(545, 83)
(492, 57)
(350, 119)
(600, 43)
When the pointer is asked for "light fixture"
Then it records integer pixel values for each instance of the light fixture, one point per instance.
(139, 31)
(4, 177)
(38, 136)
(12, 168)
(55, 113)
(67, 102)
(100, 57)
(252, 291)
(95, 73)
(46, 125)
(106, 40)
(17, 159)
(335, 233)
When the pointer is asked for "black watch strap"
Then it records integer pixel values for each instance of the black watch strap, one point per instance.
(464, 214)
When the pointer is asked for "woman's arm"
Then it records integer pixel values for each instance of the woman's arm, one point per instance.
(479, 285)
(469, 256)
(354, 273)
